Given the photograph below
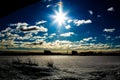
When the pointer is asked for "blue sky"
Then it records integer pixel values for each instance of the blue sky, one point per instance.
(85, 25)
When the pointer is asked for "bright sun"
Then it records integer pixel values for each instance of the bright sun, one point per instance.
(59, 16)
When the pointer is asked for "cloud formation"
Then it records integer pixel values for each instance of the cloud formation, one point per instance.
(52, 35)
(67, 26)
(67, 34)
(34, 28)
(77, 22)
(80, 22)
(41, 22)
(111, 9)
(91, 39)
(109, 30)
(25, 28)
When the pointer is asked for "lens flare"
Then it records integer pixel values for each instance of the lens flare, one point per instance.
(59, 16)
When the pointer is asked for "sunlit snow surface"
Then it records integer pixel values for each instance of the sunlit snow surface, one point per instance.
(76, 67)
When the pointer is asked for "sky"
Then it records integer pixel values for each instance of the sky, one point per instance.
(63, 25)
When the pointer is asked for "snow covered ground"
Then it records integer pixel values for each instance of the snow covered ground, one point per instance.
(59, 68)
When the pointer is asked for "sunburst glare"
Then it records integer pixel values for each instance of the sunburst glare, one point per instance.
(60, 17)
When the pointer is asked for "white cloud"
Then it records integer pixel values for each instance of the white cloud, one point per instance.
(100, 46)
(70, 20)
(109, 30)
(110, 9)
(52, 35)
(33, 29)
(45, 34)
(86, 39)
(39, 37)
(42, 29)
(25, 28)
(65, 44)
(48, 5)
(91, 12)
(7, 43)
(41, 22)
(57, 44)
(19, 24)
(63, 41)
(80, 22)
(67, 34)
(27, 36)
(6, 30)
(8, 34)
(2, 35)
(68, 27)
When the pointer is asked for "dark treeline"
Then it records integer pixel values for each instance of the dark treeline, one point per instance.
(48, 52)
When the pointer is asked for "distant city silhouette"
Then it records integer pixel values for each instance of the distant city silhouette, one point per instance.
(74, 52)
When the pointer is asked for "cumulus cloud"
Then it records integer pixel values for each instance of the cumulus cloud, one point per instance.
(68, 27)
(17, 34)
(87, 39)
(2, 35)
(34, 28)
(25, 28)
(57, 44)
(70, 20)
(67, 34)
(39, 37)
(52, 35)
(41, 22)
(109, 30)
(45, 34)
(65, 44)
(7, 43)
(8, 29)
(80, 22)
(110, 9)
(19, 24)
(100, 46)
(30, 36)
(27, 36)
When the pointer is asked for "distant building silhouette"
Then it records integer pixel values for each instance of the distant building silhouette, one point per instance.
(47, 52)
(87, 53)
(74, 53)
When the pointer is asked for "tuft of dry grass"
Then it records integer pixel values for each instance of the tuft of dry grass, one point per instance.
(23, 70)
(28, 61)
(50, 64)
